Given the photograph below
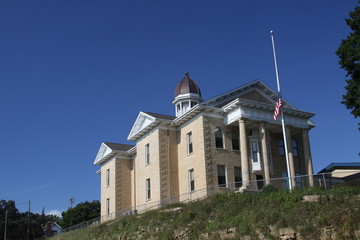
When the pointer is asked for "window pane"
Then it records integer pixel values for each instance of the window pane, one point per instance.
(254, 152)
(294, 148)
(219, 143)
(189, 142)
(281, 148)
(235, 140)
(191, 180)
(108, 177)
(147, 153)
(148, 189)
(221, 176)
(108, 206)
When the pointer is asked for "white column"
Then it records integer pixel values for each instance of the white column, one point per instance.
(291, 157)
(265, 153)
(244, 155)
(307, 155)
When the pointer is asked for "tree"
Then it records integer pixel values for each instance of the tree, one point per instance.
(18, 223)
(81, 213)
(349, 55)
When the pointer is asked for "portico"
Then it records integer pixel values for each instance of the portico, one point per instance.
(257, 128)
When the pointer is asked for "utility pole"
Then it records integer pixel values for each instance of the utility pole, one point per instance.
(72, 200)
(28, 224)
(6, 214)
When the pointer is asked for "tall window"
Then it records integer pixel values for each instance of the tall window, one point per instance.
(235, 140)
(295, 150)
(191, 180)
(147, 153)
(281, 147)
(254, 152)
(268, 144)
(108, 206)
(221, 175)
(148, 189)
(238, 177)
(189, 143)
(108, 177)
(219, 141)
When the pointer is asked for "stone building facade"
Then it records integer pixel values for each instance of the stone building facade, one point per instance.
(228, 142)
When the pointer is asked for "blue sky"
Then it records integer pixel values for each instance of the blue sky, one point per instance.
(76, 73)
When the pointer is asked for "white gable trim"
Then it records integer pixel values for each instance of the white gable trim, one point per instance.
(257, 85)
(105, 153)
(143, 122)
(263, 112)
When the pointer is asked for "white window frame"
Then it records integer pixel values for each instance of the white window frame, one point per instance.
(147, 154)
(107, 206)
(226, 180)
(189, 143)
(295, 148)
(191, 180)
(148, 189)
(218, 129)
(108, 177)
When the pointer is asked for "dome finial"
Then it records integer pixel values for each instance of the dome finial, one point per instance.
(186, 74)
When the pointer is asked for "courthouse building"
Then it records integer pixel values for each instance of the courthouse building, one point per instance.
(225, 143)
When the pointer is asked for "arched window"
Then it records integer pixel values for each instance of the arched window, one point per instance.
(281, 147)
(219, 140)
(235, 140)
(295, 149)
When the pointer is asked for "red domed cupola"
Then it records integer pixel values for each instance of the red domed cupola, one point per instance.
(187, 95)
(187, 85)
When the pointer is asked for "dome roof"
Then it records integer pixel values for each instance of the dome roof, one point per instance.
(187, 85)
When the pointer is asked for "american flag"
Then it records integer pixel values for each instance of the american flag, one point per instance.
(277, 107)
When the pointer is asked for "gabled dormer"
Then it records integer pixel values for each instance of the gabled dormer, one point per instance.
(187, 95)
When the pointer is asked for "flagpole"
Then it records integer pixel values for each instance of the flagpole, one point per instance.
(282, 114)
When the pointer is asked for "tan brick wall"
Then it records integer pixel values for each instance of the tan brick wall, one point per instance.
(119, 190)
(195, 160)
(279, 161)
(174, 168)
(222, 156)
(124, 185)
(151, 170)
(108, 191)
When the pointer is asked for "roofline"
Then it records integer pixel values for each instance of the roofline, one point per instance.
(340, 165)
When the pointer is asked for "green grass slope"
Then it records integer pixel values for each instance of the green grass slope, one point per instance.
(249, 214)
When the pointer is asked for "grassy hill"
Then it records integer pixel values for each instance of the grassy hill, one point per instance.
(272, 214)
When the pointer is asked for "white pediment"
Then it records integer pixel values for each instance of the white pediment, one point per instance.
(102, 153)
(142, 121)
(256, 91)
